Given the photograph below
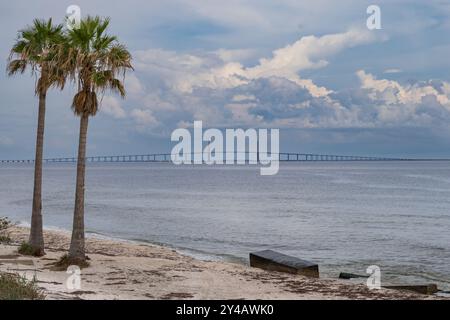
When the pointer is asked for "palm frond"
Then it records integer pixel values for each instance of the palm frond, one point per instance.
(36, 47)
(16, 66)
(117, 85)
(85, 103)
(95, 60)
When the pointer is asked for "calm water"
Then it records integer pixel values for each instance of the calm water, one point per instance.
(344, 216)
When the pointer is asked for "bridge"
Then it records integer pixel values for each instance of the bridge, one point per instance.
(166, 157)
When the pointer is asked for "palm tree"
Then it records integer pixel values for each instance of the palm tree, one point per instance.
(34, 48)
(95, 60)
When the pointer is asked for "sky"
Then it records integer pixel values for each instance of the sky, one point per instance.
(309, 68)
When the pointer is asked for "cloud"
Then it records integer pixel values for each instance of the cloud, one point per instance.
(393, 70)
(384, 102)
(144, 117)
(186, 71)
(309, 52)
(393, 92)
(111, 106)
(280, 102)
(133, 85)
(210, 86)
(228, 55)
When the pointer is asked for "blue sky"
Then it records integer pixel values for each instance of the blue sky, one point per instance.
(310, 68)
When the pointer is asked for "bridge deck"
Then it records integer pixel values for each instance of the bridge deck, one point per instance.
(166, 157)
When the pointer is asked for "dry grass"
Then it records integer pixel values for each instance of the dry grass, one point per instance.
(5, 224)
(16, 287)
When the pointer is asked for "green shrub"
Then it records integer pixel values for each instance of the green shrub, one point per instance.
(27, 249)
(16, 287)
(5, 224)
(5, 239)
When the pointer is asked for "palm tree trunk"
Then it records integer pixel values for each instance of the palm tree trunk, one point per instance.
(77, 248)
(36, 234)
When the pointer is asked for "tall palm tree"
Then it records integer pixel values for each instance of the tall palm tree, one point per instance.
(95, 60)
(35, 48)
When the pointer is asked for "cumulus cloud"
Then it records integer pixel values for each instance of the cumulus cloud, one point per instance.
(144, 117)
(232, 55)
(392, 92)
(187, 72)
(420, 103)
(111, 106)
(309, 52)
(218, 88)
(133, 85)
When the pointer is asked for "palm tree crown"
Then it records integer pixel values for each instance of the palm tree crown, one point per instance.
(35, 48)
(95, 59)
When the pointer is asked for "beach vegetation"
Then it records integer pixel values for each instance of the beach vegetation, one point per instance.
(5, 225)
(17, 287)
(27, 249)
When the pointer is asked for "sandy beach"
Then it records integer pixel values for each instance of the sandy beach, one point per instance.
(128, 270)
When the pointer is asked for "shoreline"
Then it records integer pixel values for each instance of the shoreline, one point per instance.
(216, 257)
(127, 270)
(192, 253)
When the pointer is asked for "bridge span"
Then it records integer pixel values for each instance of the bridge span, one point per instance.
(166, 157)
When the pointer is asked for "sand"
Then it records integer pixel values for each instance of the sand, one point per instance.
(130, 271)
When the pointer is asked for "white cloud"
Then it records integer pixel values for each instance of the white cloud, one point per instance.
(392, 92)
(111, 106)
(144, 117)
(243, 97)
(308, 53)
(185, 72)
(235, 54)
(393, 70)
(133, 85)
(241, 113)
(217, 88)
